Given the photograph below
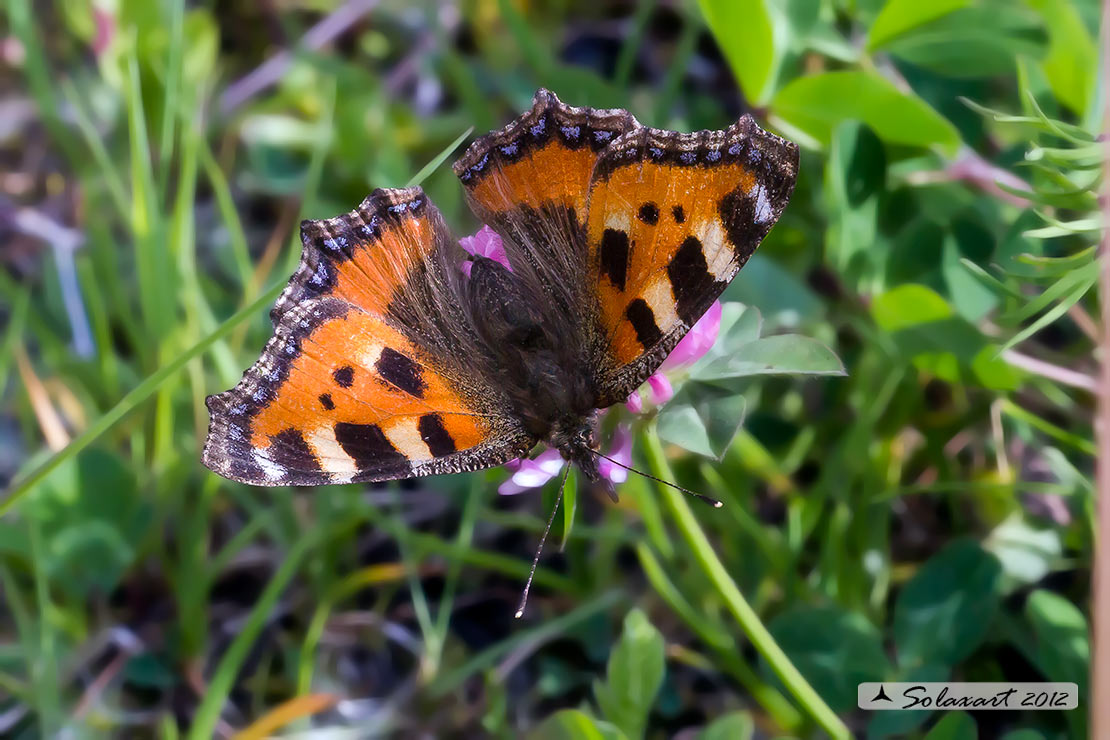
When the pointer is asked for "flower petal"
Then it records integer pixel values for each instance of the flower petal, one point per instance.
(635, 403)
(698, 341)
(621, 452)
(486, 243)
(661, 388)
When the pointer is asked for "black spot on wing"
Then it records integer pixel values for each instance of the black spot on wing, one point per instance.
(679, 214)
(435, 435)
(737, 211)
(289, 450)
(642, 318)
(649, 214)
(326, 402)
(614, 256)
(369, 447)
(344, 377)
(401, 371)
(691, 280)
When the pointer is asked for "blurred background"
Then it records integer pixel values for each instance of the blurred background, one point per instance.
(925, 516)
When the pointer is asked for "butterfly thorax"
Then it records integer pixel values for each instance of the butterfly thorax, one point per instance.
(539, 370)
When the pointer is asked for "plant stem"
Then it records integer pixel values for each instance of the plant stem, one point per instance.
(749, 621)
(1100, 579)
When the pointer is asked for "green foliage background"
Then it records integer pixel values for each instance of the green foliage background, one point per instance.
(927, 516)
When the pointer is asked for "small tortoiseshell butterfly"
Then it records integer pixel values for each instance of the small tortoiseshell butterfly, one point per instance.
(387, 361)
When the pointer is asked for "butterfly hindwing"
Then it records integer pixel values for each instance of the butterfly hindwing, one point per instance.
(355, 384)
(671, 219)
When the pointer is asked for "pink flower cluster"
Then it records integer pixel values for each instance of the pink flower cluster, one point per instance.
(530, 474)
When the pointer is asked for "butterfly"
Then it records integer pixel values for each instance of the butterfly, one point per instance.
(388, 361)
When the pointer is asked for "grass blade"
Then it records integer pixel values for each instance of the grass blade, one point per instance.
(734, 600)
(136, 396)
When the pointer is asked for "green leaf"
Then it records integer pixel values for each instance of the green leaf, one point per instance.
(740, 325)
(634, 675)
(1027, 553)
(834, 649)
(813, 106)
(900, 724)
(570, 504)
(732, 726)
(900, 16)
(784, 354)
(1025, 733)
(90, 540)
(574, 724)
(980, 41)
(777, 291)
(703, 419)
(745, 33)
(971, 299)
(908, 305)
(954, 726)
(994, 372)
(1071, 65)
(855, 179)
(944, 612)
(1060, 637)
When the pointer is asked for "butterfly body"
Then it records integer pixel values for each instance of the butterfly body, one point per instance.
(390, 361)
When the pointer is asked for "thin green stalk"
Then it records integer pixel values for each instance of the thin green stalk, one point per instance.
(1080, 443)
(139, 394)
(749, 621)
(719, 641)
(208, 713)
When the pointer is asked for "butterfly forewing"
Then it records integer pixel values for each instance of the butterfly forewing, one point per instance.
(671, 219)
(365, 377)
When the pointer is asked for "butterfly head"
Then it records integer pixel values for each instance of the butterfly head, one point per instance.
(577, 441)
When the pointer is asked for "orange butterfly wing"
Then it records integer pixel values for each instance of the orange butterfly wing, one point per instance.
(671, 219)
(352, 387)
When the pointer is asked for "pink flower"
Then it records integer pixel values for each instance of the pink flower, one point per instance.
(529, 474)
(622, 453)
(661, 388)
(635, 404)
(690, 349)
(698, 340)
(485, 243)
(105, 30)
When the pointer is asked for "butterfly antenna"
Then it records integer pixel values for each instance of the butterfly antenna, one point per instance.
(543, 539)
(700, 496)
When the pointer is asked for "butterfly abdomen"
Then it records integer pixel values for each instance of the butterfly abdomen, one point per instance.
(535, 370)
